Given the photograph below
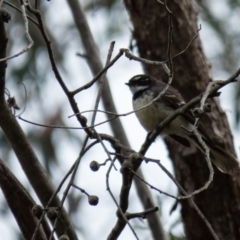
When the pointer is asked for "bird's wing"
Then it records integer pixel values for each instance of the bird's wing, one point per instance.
(181, 140)
(171, 97)
(174, 100)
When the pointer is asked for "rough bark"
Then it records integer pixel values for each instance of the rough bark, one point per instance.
(220, 203)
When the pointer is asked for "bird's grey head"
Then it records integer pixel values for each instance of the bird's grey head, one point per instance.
(139, 83)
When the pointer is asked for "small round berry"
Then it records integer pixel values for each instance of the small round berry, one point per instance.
(94, 165)
(52, 213)
(93, 200)
(37, 211)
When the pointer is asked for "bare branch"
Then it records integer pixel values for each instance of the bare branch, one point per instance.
(209, 163)
(122, 219)
(170, 33)
(95, 65)
(58, 189)
(191, 200)
(27, 36)
(15, 194)
(143, 60)
(101, 82)
(142, 215)
(34, 171)
(19, 10)
(189, 44)
(88, 85)
(152, 187)
(71, 100)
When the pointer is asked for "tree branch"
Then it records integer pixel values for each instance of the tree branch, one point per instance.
(34, 171)
(15, 195)
(96, 65)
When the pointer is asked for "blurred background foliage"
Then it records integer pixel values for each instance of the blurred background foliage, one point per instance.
(34, 71)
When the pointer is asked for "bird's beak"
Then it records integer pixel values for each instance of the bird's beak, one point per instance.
(127, 84)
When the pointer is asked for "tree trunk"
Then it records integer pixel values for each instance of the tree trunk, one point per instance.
(220, 203)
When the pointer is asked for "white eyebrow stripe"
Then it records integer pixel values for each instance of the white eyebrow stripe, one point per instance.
(137, 78)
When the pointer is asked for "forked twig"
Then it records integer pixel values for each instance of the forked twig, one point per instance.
(27, 36)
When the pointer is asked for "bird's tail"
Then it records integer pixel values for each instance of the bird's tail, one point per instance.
(224, 160)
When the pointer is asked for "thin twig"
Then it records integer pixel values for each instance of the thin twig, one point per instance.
(58, 76)
(50, 201)
(25, 19)
(170, 33)
(152, 187)
(110, 51)
(58, 189)
(189, 44)
(142, 215)
(185, 193)
(80, 189)
(101, 82)
(89, 84)
(63, 127)
(25, 102)
(208, 160)
(19, 10)
(115, 201)
(203, 144)
(143, 60)
(69, 184)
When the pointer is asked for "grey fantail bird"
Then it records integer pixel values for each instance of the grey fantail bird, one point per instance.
(144, 89)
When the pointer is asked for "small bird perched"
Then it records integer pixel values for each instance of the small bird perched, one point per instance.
(144, 89)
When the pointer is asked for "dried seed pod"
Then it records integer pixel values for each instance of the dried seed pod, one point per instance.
(52, 213)
(94, 165)
(93, 200)
(37, 211)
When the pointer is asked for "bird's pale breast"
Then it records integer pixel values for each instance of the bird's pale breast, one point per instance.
(154, 114)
